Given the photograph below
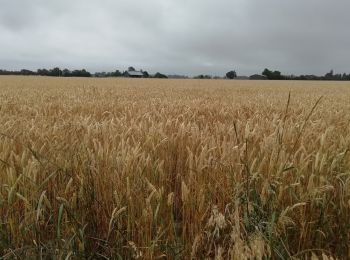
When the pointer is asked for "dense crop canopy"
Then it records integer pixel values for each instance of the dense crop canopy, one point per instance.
(154, 169)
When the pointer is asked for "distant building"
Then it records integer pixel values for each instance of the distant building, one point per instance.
(133, 74)
(257, 77)
(242, 77)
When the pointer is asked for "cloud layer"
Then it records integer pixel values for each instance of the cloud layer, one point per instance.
(184, 36)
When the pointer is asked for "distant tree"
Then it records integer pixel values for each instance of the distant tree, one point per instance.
(145, 74)
(268, 73)
(117, 73)
(337, 77)
(330, 74)
(131, 69)
(85, 73)
(101, 74)
(231, 74)
(43, 72)
(66, 73)
(277, 75)
(27, 72)
(56, 72)
(160, 76)
(274, 75)
(80, 73)
(203, 77)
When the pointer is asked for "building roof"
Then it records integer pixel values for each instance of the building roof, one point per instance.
(257, 76)
(135, 73)
(242, 77)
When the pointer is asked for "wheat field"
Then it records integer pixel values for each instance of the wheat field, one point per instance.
(174, 169)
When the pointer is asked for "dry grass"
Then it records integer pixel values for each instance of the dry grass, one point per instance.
(173, 169)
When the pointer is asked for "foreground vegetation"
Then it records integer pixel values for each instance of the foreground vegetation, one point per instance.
(166, 169)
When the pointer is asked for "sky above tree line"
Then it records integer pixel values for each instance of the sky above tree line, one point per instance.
(177, 37)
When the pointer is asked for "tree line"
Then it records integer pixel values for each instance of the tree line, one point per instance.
(232, 74)
(57, 72)
(277, 75)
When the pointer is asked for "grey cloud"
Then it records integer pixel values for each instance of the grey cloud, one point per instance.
(188, 37)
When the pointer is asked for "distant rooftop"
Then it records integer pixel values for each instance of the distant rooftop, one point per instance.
(135, 73)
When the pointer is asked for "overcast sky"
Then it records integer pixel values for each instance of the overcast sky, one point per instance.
(177, 36)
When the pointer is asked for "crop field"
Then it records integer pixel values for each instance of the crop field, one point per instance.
(174, 169)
